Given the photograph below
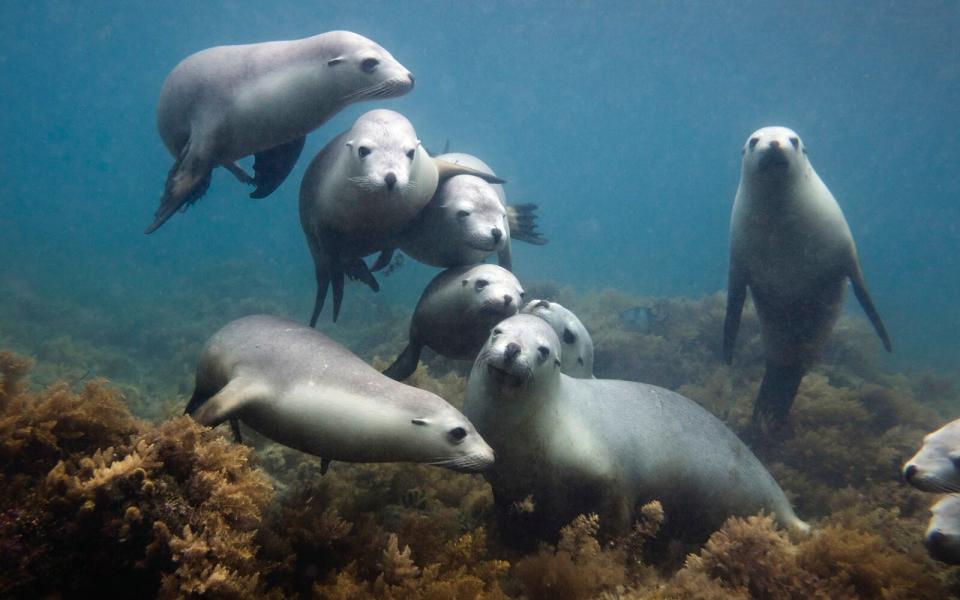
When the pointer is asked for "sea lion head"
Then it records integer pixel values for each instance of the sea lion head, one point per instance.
(936, 466)
(774, 153)
(494, 292)
(942, 538)
(577, 353)
(366, 69)
(521, 351)
(451, 441)
(384, 149)
(470, 206)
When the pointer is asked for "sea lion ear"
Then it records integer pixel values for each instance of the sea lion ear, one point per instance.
(465, 281)
(556, 361)
(335, 61)
(349, 144)
(419, 421)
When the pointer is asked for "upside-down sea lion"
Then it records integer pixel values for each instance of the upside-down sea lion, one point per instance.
(576, 356)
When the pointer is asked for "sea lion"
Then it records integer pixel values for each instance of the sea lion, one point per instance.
(936, 466)
(467, 220)
(456, 312)
(360, 191)
(942, 538)
(576, 357)
(594, 445)
(790, 244)
(224, 103)
(300, 388)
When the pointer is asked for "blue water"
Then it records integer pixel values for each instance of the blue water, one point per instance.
(623, 121)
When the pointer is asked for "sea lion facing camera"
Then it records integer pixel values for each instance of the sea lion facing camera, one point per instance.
(360, 191)
(224, 103)
(790, 244)
(300, 388)
(594, 445)
(576, 356)
(936, 466)
(456, 312)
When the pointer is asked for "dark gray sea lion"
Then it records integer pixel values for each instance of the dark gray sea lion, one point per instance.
(936, 466)
(359, 192)
(790, 244)
(576, 356)
(942, 539)
(222, 104)
(456, 312)
(300, 388)
(594, 445)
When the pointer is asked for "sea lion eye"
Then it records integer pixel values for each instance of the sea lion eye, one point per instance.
(544, 352)
(522, 294)
(753, 142)
(369, 65)
(463, 214)
(457, 434)
(482, 283)
(410, 153)
(795, 141)
(568, 336)
(363, 151)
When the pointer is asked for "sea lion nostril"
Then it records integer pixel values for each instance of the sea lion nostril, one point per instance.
(413, 80)
(507, 299)
(496, 233)
(774, 144)
(909, 472)
(511, 352)
(391, 180)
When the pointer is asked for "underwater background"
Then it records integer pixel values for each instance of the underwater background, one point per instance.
(624, 123)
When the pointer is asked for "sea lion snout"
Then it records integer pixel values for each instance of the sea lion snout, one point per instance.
(390, 180)
(510, 353)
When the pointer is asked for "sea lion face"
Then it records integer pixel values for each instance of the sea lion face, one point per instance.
(494, 292)
(520, 351)
(774, 153)
(936, 466)
(449, 440)
(367, 69)
(471, 207)
(577, 353)
(942, 538)
(384, 150)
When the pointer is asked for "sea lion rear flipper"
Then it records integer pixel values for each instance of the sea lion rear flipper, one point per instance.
(383, 260)
(777, 391)
(736, 295)
(523, 226)
(405, 364)
(356, 269)
(863, 296)
(272, 166)
(446, 169)
(187, 181)
(224, 404)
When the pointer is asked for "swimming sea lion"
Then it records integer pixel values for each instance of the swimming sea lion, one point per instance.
(595, 445)
(360, 191)
(942, 539)
(300, 388)
(790, 244)
(456, 312)
(576, 356)
(224, 103)
(936, 466)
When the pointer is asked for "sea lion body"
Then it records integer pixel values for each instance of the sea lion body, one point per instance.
(936, 466)
(592, 445)
(942, 538)
(576, 356)
(790, 244)
(300, 388)
(224, 103)
(456, 312)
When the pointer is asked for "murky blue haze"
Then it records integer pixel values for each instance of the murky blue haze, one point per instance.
(623, 121)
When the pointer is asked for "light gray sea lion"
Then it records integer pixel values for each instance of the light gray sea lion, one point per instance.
(300, 388)
(576, 356)
(467, 220)
(222, 104)
(456, 312)
(595, 445)
(936, 466)
(790, 244)
(942, 539)
(360, 191)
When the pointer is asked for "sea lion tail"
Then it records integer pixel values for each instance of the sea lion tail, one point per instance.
(405, 364)
(523, 224)
(777, 392)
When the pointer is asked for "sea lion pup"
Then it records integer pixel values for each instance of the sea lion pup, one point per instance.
(936, 466)
(577, 446)
(224, 103)
(942, 539)
(360, 191)
(467, 220)
(300, 388)
(456, 312)
(576, 356)
(790, 244)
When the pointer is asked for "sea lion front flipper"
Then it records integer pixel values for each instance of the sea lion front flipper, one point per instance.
(523, 226)
(224, 404)
(272, 166)
(777, 391)
(446, 170)
(336, 282)
(863, 296)
(235, 427)
(356, 269)
(324, 465)
(187, 181)
(736, 295)
(406, 363)
(383, 260)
